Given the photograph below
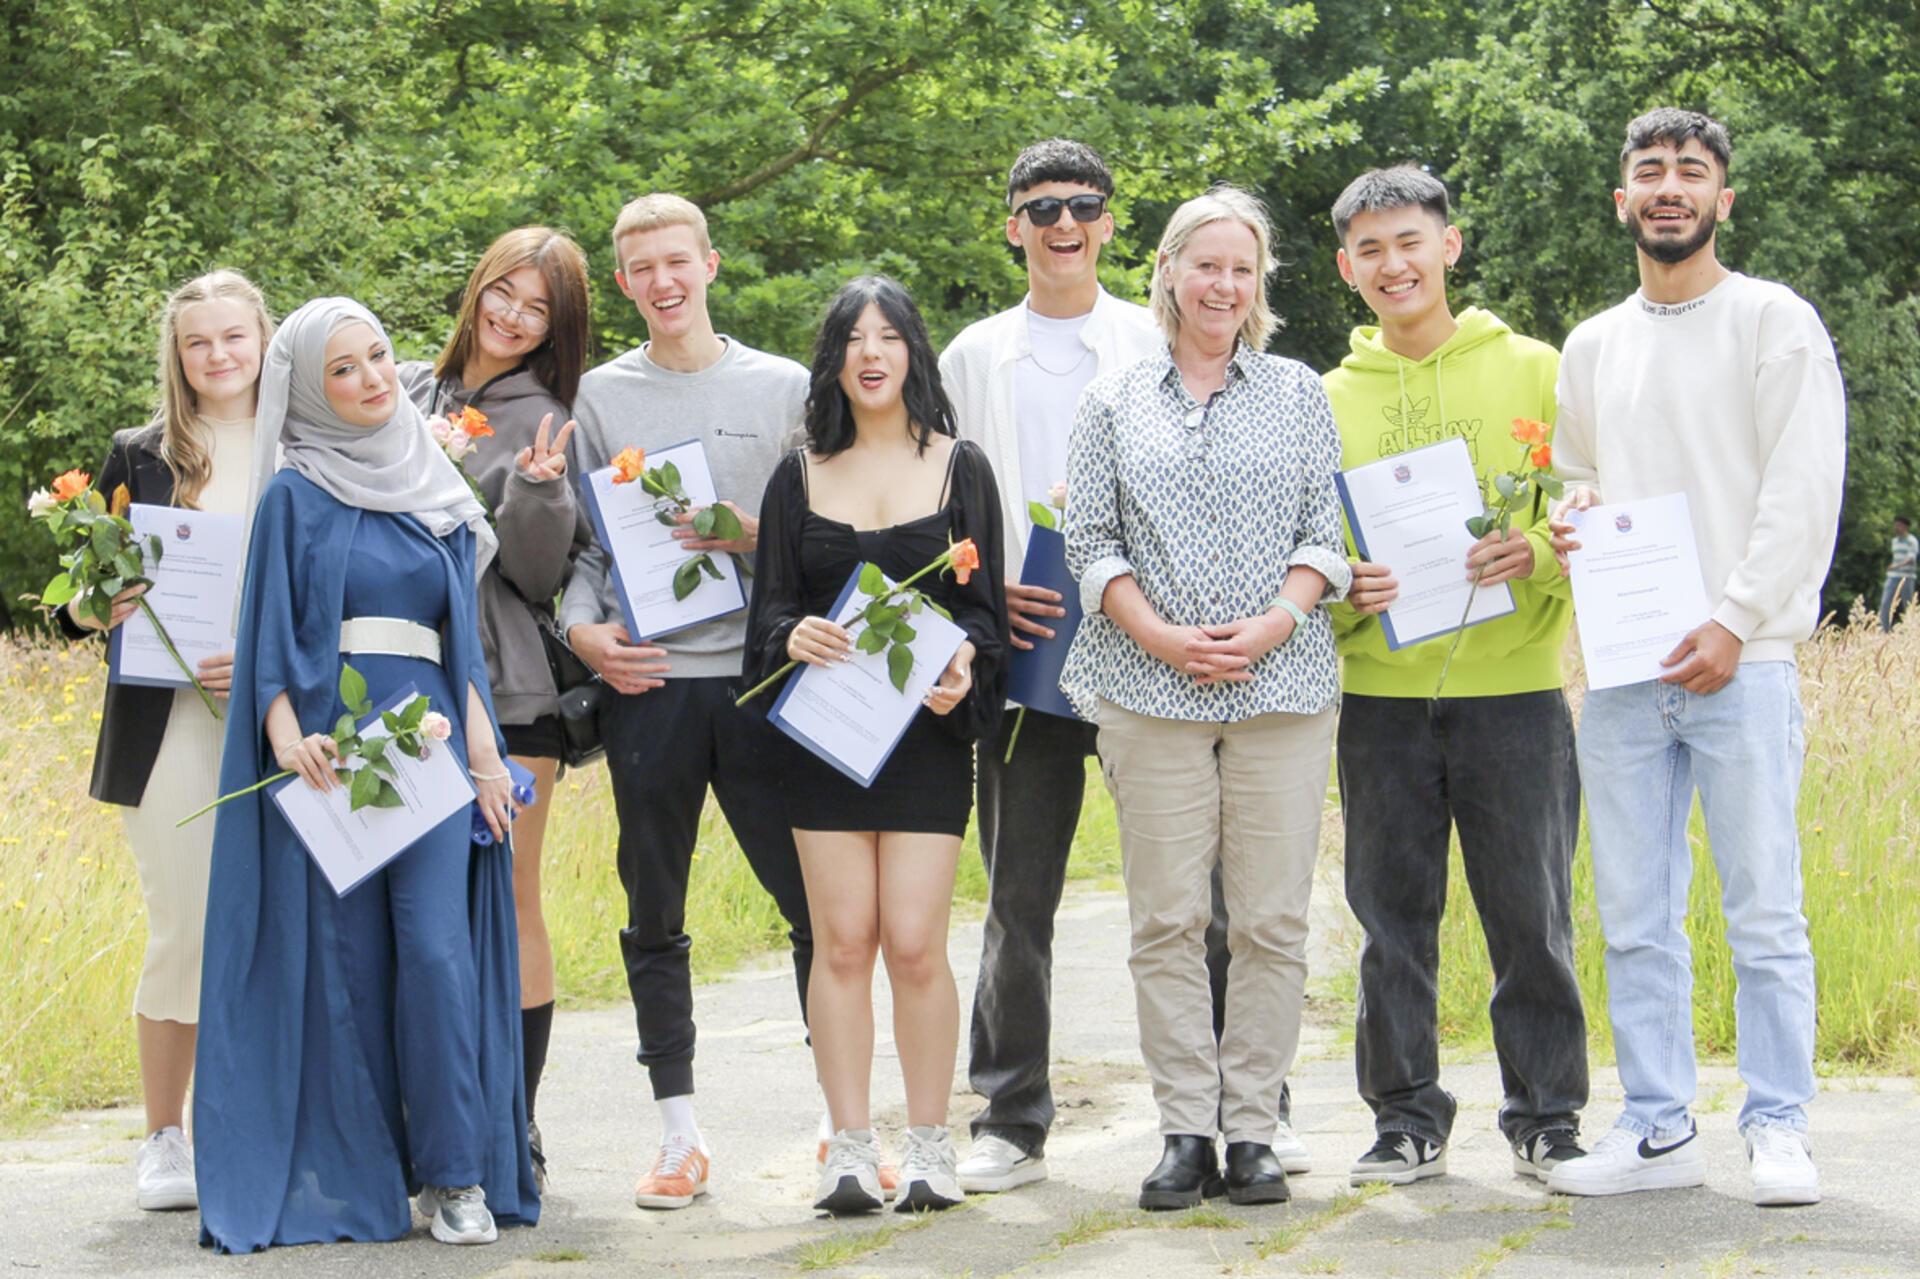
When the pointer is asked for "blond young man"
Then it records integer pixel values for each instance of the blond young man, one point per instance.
(671, 727)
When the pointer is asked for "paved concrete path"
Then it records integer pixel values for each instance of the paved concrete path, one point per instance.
(68, 1196)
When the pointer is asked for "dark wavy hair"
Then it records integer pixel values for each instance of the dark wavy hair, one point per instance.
(829, 415)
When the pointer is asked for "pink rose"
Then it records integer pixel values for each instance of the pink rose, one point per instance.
(436, 726)
(1057, 496)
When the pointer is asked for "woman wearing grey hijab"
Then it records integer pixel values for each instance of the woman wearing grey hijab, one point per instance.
(357, 1049)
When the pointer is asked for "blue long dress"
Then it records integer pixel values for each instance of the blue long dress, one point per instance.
(352, 1047)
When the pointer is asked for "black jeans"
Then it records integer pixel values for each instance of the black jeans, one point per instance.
(1028, 811)
(664, 748)
(1502, 770)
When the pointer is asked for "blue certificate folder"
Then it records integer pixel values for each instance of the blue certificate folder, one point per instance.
(732, 604)
(778, 719)
(1405, 467)
(1033, 678)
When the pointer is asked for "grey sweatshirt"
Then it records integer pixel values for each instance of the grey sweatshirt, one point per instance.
(746, 408)
(541, 529)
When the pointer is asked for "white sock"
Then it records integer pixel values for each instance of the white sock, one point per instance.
(826, 1124)
(676, 1120)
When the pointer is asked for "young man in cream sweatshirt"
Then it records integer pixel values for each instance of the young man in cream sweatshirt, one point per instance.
(1723, 387)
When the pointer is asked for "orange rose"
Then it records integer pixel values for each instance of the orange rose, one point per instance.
(965, 558)
(1528, 431)
(1543, 457)
(629, 465)
(473, 422)
(71, 485)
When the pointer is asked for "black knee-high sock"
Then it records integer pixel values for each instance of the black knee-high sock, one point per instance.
(536, 1027)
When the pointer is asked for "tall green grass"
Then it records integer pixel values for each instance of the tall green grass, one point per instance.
(1860, 858)
(72, 924)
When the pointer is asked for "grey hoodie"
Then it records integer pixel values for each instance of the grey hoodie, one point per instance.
(541, 529)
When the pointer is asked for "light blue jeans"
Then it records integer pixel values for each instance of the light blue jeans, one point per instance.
(1642, 750)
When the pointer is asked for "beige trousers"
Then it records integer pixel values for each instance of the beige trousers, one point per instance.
(1248, 795)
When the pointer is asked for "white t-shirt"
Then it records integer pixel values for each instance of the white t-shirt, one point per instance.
(1733, 398)
(1046, 391)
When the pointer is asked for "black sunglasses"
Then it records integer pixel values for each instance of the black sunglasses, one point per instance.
(1044, 210)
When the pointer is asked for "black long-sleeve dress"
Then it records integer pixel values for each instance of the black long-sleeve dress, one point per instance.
(803, 561)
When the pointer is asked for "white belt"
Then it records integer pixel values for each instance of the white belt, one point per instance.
(391, 635)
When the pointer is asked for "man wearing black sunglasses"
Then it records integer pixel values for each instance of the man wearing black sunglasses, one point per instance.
(1015, 379)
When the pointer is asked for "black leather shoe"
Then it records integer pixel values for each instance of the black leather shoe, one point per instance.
(1188, 1172)
(1254, 1175)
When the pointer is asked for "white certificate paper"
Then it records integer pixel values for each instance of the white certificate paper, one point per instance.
(1636, 586)
(196, 585)
(1410, 512)
(645, 556)
(850, 714)
(349, 846)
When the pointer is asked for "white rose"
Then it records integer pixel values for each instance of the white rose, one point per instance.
(40, 502)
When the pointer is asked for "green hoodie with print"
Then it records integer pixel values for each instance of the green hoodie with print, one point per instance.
(1480, 379)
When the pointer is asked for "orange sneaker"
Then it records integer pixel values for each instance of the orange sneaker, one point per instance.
(889, 1175)
(678, 1176)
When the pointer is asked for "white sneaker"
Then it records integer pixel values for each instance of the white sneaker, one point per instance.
(163, 1172)
(994, 1163)
(457, 1214)
(1623, 1161)
(1290, 1150)
(850, 1173)
(1399, 1159)
(927, 1180)
(1782, 1164)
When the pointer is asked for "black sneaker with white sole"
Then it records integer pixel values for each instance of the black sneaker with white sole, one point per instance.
(1541, 1153)
(1400, 1159)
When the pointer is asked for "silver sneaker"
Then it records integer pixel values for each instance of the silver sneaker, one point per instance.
(995, 1164)
(1290, 1150)
(458, 1213)
(927, 1177)
(163, 1173)
(850, 1174)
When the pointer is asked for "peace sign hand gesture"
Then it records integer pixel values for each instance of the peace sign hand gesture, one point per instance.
(543, 460)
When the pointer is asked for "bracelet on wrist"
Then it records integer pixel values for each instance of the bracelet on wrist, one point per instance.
(501, 776)
(1292, 610)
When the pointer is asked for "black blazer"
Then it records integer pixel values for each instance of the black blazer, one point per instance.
(134, 719)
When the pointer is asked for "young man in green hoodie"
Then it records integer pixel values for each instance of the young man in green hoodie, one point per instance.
(1493, 756)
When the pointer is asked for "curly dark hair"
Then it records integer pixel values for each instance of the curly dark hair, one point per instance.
(829, 417)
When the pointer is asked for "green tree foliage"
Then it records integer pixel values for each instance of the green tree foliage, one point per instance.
(374, 148)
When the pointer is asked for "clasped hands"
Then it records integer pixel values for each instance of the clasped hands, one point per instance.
(1223, 654)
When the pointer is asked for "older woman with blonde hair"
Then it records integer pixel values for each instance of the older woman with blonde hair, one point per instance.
(1205, 533)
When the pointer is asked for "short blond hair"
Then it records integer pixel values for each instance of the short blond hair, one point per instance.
(1221, 203)
(657, 209)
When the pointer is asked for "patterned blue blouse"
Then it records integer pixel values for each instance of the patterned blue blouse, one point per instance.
(1207, 506)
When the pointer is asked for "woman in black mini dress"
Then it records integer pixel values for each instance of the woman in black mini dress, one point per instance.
(882, 480)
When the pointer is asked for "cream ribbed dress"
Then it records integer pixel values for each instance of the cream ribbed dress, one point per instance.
(174, 863)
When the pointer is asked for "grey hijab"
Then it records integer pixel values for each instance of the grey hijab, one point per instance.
(395, 467)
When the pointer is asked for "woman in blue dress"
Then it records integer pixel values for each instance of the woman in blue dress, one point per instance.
(357, 1049)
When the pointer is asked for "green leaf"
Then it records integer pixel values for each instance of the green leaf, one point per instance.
(670, 476)
(154, 548)
(726, 525)
(870, 641)
(703, 522)
(872, 581)
(915, 602)
(111, 586)
(665, 517)
(1506, 522)
(58, 591)
(390, 721)
(1504, 483)
(363, 790)
(386, 796)
(902, 633)
(375, 749)
(105, 540)
(413, 712)
(353, 689)
(1042, 514)
(651, 481)
(343, 728)
(127, 564)
(1550, 486)
(935, 606)
(101, 606)
(899, 665)
(685, 579)
(708, 567)
(1478, 525)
